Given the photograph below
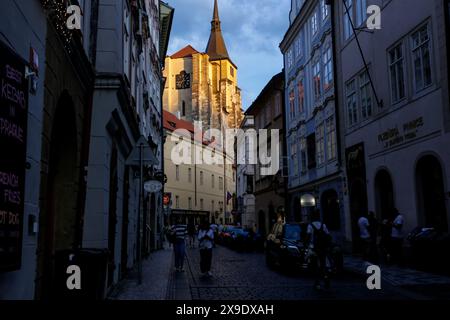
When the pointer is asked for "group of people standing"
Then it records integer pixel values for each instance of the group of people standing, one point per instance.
(179, 234)
(385, 237)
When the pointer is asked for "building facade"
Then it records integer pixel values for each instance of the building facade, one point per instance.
(270, 190)
(245, 181)
(197, 188)
(311, 119)
(86, 97)
(203, 86)
(394, 106)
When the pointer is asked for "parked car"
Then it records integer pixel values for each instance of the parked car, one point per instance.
(287, 247)
(240, 239)
(224, 237)
(429, 247)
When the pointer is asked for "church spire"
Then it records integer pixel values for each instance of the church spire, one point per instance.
(216, 48)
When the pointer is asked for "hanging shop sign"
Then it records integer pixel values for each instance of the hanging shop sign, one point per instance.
(13, 133)
(153, 186)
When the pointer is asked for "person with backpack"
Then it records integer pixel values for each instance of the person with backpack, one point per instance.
(319, 245)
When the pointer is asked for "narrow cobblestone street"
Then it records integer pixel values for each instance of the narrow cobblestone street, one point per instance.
(245, 276)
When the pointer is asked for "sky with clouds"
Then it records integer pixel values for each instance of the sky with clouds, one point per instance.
(252, 29)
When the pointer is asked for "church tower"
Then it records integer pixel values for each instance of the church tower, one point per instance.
(227, 111)
(203, 86)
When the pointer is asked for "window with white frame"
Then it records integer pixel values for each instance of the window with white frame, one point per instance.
(126, 42)
(290, 58)
(361, 12)
(316, 79)
(299, 49)
(328, 68)
(331, 138)
(294, 159)
(314, 23)
(348, 30)
(303, 155)
(365, 94)
(324, 10)
(292, 104)
(301, 95)
(421, 57)
(320, 145)
(397, 73)
(352, 106)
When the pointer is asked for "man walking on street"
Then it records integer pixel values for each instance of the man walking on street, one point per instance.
(364, 235)
(397, 236)
(320, 241)
(179, 246)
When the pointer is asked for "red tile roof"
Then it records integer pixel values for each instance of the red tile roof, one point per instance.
(172, 123)
(187, 51)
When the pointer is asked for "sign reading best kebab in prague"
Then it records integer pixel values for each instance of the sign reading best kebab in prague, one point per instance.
(13, 128)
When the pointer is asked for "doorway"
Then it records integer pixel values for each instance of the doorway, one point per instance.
(330, 209)
(59, 223)
(125, 223)
(431, 193)
(384, 194)
(112, 215)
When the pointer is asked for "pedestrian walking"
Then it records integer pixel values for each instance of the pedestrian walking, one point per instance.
(191, 232)
(180, 233)
(385, 239)
(397, 237)
(319, 245)
(205, 238)
(373, 231)
(364, 235)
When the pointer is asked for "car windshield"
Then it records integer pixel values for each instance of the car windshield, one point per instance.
(292, 232)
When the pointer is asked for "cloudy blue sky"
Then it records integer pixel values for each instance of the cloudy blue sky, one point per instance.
(253, 30)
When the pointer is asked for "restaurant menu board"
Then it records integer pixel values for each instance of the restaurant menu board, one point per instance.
(13, 134)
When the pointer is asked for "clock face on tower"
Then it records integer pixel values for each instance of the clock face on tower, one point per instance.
(183, 80)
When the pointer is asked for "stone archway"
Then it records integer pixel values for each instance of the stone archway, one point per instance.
(431, 193)
(384, 194)
(60, 226)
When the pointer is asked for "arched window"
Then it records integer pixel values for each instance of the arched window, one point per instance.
(431, 193)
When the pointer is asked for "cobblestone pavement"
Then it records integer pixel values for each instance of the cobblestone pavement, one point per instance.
(156, 272)
(245, 276)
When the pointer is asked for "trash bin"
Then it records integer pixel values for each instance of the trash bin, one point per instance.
(93, 266)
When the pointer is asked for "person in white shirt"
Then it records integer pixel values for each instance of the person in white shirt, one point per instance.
(397, 236)
(205, 238)
(364, 235)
